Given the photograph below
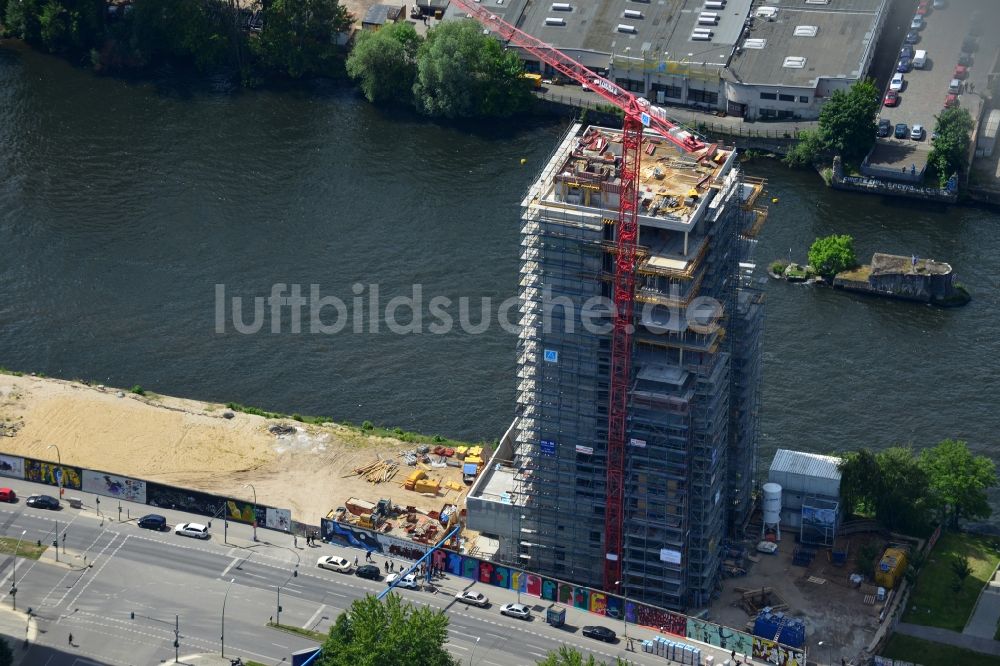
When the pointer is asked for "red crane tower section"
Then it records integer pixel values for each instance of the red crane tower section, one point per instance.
(639, 113)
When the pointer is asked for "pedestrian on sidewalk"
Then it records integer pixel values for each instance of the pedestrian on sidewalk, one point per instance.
(368, 556)
(355, 560)
(386, 565)
(71, 639)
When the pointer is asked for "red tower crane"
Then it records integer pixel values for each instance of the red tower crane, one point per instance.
(639, 113)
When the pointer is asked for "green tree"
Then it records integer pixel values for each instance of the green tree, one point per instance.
(375, 633)
(300, 36)
(6, 655)
(21, 20)
(959, 479)
(847, 120)
(904, 502)
(951, 145)
(462, 73)
(807, 150)
(56, 25)
(961, 569)
(832, 254)
(567, 656)
(384, 63)
(860, 481)
(189, 31)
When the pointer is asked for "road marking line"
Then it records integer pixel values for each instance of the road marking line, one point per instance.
(101, 568)
(231, 565)
(458, 647)
(315, 617)
(283, 647)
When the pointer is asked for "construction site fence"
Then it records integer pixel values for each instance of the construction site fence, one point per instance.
(557, 591)
(158, 495)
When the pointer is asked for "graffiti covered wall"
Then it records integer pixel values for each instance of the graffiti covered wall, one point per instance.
(12, 466)
(110, 485)
(40, 471)
(556, 591)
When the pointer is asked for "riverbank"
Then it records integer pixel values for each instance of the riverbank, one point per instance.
(192, 444)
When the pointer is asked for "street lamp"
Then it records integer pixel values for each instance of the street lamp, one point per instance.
(223, 637)
(827, 644)
(59, 472)
(624, 606)
(250, 486)
(13, 573)
(474, 650)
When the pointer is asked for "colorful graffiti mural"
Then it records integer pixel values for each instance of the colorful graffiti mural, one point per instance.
(278, 519)
(719, 636)
(111, 485)
(775, 653)
(40, 471)
(12, 466)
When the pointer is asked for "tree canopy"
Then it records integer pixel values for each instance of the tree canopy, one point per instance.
(959, 479)
(384, 63)
(847, 124)
(377, 633)
(951, 143)
(567, 656)
(462, 73)
(832, 254)
(904, 490)
(300, 36)
(6, 655)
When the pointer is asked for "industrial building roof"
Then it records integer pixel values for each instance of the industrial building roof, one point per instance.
(381, 14)
(806, 464)
(795, 42)
(653, 28)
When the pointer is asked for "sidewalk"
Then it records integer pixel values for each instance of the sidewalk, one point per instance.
(18, 626)
(938, 635)
(986, 614)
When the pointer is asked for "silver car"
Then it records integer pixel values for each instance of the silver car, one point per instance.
(520, 611)
(194, 530)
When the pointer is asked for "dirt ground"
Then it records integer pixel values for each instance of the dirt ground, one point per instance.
(190, 444)
(834, 612)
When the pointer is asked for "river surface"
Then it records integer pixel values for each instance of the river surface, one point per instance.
(123, 205)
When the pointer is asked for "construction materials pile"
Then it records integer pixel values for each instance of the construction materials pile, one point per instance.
(377, 471)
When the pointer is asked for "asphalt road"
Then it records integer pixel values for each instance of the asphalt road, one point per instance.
(112, 569)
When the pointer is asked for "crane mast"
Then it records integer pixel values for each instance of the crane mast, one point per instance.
(639, 113)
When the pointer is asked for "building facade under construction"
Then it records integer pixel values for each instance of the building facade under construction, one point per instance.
(694, 387)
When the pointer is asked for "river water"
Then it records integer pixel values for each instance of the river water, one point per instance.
(123, 205)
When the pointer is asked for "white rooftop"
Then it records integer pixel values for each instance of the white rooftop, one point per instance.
(806, 464)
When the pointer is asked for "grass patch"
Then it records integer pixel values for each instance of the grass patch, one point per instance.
(935, 602)
(919, 651)
(28, 549)
(317, 636)
(6, 371)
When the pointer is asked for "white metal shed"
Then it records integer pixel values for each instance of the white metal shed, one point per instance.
(806, 474)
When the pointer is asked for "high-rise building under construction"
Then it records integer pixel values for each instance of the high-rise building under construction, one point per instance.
(694, 384)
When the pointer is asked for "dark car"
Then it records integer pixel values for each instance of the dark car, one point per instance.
(906, 51)
(152, 522)
(884, 127)
(600, 633)
(904, 66)
(912, 37)
(43, 502)
(369, 571)
(902, 131)
(965, 59)
(970, 44)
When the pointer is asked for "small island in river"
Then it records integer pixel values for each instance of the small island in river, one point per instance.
(908, 278)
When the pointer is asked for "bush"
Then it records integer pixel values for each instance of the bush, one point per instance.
(832, 254)
(778, 267)
(367, 425)
(138, 390)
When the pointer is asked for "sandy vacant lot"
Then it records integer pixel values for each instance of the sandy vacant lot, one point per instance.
(190, 444)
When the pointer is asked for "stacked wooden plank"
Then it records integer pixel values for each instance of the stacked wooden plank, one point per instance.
(377, 471)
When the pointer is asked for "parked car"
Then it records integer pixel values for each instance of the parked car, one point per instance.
(409, 582)
(938, 4)
(906, 51)
(954, 86)
(600, 633)
(891, 98)
(369, 571)
(152, 521)
(520, 611)
(902, 131)
(897, 82)
(961, 71)
(884, 127)
(905, 65)
(473, 598)
(965, 59)
(193, 530)
(917, 23)
(7, 495)
(912, 37)
(917, 132)
(334, 563)
(923, 7)
(950, 101)
(43, 502)
(970, 44)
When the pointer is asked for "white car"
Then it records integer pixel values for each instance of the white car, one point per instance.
(473, 598)
(409, 582)
(896, 83)
(917, 132)
(334, 563)
(194, 530)
(520, 611)
(917, 23)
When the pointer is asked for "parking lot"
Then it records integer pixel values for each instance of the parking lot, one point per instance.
(923, 94)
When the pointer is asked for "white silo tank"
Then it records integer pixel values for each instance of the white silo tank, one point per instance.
(772, 508)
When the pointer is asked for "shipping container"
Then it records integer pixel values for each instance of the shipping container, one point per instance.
(891, 568)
